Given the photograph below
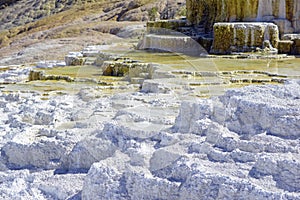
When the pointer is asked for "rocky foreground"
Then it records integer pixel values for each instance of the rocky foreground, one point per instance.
(244, 144)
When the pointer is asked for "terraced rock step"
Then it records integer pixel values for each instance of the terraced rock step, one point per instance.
(244, 143)
(147, 134)
(210, 153)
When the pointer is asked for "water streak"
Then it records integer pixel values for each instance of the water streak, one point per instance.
(223, 13)
(234, 36)
(246, 31)
(267, 33)
(269, 8)
(282, 9)
(260, 10)
(265, 8)
(296, 21)
(252, 37)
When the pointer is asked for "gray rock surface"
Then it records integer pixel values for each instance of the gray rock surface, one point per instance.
(151, 145)
(74, 58)
(210, 156)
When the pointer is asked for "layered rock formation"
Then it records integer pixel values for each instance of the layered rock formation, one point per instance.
(244, 37)
(236, 146)
(285, 13)
(244, 27)
(151, 141)
(241, 145)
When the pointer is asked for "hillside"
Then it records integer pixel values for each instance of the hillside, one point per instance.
(27, 22)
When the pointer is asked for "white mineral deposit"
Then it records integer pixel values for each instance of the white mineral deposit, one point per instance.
(125, 113)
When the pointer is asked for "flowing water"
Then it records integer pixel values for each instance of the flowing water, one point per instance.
(173, 61)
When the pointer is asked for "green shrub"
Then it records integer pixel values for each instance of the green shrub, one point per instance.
(153, 13)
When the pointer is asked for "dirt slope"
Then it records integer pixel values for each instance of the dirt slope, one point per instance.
(73, 23)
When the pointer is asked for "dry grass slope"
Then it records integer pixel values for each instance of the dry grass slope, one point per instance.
(69, 18)
(34, 30)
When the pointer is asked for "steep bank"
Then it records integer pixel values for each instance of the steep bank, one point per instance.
(284, 13)
(26, 17)
(27, 25)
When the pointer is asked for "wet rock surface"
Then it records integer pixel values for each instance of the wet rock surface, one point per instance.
(281, 12)
(154, 138)
(244, 37)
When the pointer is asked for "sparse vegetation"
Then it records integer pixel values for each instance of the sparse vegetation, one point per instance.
(153, 12)
(38, 15)
(67, 16)
(182, 11)
(72, 23)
